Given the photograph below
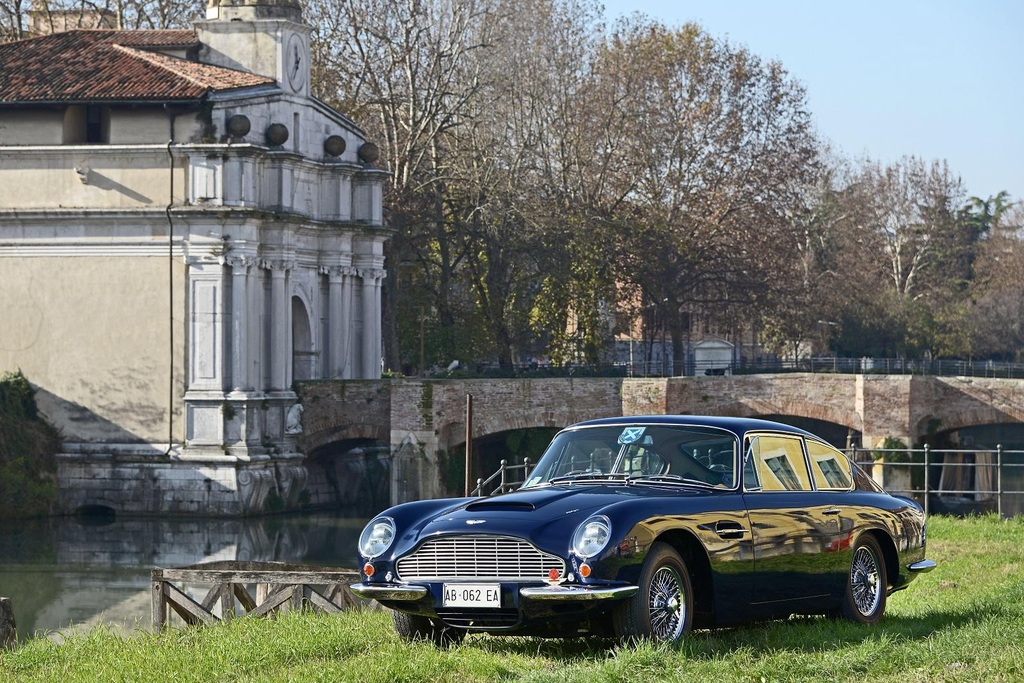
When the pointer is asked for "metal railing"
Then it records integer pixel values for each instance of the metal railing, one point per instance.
(832, 364)
(955, 481)
(505, 484)
(936, 478)
(666, 367)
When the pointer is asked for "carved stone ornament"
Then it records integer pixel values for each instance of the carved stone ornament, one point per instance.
(293, 425)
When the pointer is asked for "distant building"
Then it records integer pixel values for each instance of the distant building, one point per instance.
(184, 232)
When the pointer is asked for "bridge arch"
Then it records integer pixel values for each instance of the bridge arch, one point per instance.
(424, 421)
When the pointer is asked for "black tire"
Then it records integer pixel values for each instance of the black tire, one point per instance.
(662, 610)
(866, 585)
(412, 627)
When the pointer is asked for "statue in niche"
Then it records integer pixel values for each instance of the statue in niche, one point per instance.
(293, 425)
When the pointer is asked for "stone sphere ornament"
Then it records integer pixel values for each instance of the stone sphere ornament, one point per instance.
(334, 145)
(277, 134)
(368, 152)
(239, 126)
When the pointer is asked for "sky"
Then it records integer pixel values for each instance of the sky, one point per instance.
(938, 79)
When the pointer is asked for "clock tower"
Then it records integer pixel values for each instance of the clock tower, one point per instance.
(266, 37)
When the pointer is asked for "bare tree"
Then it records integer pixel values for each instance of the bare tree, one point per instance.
(996, 320)
(721, 138)
(21, 18)
(403, 69)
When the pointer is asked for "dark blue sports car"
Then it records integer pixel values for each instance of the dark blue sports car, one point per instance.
(647, 527)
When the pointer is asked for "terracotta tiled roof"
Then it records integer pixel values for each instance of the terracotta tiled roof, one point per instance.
(108, 65)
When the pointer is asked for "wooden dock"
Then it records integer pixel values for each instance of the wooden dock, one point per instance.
(278, 587)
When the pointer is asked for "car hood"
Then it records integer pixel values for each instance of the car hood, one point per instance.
(545, 516)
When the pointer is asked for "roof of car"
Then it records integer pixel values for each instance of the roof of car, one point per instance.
(738, 425)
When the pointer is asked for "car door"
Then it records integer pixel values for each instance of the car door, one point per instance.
(833, 476)
(793, 526)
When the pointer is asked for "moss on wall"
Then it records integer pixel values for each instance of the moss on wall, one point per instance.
(28, 451)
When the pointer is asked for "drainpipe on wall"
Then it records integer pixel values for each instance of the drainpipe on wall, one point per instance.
(171, 116)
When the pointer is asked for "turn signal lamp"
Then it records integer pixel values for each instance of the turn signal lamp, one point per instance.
(368, 569)
(585, 570)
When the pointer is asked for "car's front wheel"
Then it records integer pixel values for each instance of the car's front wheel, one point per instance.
(412, 627)
(864, 601)
(662, 609)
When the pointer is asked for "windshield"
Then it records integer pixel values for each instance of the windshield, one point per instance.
(669, 453)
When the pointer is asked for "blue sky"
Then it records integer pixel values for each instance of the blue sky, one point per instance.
(939, 80)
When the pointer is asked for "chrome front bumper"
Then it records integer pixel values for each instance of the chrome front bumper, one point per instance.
(396, 593)
(390, 592)
(921, 567)
(577, 593)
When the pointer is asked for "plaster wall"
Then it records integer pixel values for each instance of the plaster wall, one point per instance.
(32, 127)
(95, 341)
(254, 46)
(142, 126)
(87, 176)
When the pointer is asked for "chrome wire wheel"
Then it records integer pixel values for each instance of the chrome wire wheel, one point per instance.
(865, 581)
(666, 602)
(660, 609)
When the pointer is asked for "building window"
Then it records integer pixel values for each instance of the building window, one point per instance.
(96, 124)
(86, 124)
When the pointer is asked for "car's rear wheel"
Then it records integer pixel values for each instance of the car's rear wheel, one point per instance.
(864, 601)
(412, 627)
(662, 609)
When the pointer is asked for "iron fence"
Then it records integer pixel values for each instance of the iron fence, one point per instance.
(953, 481)
(503, 476)
(666, 367)
(950, 481)
(830, 364)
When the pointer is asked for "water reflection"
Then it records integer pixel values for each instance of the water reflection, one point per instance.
(75, 572)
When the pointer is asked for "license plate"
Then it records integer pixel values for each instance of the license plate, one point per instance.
(472, 595)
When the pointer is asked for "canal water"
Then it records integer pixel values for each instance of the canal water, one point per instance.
(71, 573)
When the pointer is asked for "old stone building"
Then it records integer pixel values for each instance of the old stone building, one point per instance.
(184, 233)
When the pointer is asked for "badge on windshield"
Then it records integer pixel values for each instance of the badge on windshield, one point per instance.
(631, 434)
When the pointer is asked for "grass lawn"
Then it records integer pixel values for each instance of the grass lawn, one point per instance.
(962, 622)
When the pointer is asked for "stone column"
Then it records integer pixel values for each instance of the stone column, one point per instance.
(371, 323)
(280, 326)
(240, 323)
(335, 353)
(348, 365)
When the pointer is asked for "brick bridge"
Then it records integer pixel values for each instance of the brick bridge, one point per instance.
(419, 419)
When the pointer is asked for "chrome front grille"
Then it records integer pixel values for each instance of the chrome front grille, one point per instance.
(496, 558)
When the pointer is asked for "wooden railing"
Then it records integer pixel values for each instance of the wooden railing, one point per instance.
(8, 628)
(278, 587)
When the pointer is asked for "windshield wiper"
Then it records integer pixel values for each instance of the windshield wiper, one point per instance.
(669, 479)
(585, 476)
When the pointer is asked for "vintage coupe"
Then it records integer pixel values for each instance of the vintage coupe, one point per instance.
(648, 527)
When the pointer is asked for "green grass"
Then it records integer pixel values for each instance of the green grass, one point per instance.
(962, 622)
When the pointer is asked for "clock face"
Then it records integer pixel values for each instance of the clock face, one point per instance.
(296, 64)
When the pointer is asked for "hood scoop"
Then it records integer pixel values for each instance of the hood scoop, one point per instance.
(501, 506)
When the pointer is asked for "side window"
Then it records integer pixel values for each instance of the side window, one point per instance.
(750, 480)
(780, 464)
(831, 469)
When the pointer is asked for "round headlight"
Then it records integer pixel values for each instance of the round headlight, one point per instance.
(376, 537)
(592, 536)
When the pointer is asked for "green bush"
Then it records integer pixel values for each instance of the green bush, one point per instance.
(28, 451)
(893, 450)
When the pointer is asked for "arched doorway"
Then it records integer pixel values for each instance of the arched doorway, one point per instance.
(304, 355)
